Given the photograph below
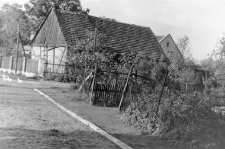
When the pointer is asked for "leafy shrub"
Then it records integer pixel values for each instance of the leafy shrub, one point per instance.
(59, 78)
(19, 74)
(185, 116)
(180, 117)
(50, 76)
(11, 73)
(74, 87)
(81, 96)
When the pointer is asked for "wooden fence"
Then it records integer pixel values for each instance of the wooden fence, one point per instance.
(55, 68)
(5, 62)
(31, 65)
(24, 65)
(19, 64)
(108, 95)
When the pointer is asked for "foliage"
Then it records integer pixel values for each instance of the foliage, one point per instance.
(219, 52)
(176, 113)
(82, 96)
(86, 53)
(59, 77)
(11, 17)
(218, 57)
(108, 19)
(182, 111)
(183, 45)
(209, 64)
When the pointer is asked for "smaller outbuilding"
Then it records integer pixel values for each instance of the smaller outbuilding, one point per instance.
(169, 47)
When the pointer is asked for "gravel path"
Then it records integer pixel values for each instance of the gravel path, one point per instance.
(29, 121)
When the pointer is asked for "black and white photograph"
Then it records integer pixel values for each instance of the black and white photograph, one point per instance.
(112, 74)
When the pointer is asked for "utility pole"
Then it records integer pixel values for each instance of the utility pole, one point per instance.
(92, 97)
(95, 38)
(17, 47)
(22, 46)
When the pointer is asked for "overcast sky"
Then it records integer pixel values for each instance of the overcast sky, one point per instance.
(202, 20)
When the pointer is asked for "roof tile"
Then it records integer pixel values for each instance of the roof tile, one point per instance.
(119, 37)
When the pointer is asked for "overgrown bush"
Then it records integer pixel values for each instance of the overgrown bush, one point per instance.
(60, 77)
(171, 100)
(49, 76)
(183, 115)
(81, 96)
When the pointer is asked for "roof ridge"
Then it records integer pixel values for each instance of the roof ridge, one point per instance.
(121, 22)
(82, 14)
(123, 36)
(163, 37)
(64, 11)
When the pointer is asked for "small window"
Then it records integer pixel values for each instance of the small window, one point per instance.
(170, 53)
(168, 44)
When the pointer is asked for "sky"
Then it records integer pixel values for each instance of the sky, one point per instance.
(201, 20)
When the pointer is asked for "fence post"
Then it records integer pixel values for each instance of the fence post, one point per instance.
(24, 65)
(92, 96)
(40, 66)
(10, 63)
(125, 88)
(160, 96)
(0, 61)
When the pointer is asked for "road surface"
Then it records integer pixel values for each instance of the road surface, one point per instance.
(29, 121)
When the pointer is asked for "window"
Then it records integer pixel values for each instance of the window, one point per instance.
(168, 44)
(170, 53)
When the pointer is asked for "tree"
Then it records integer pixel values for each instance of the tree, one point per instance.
(208, 64)
(218, 55)
(11, 17)
(219, 52)
(184, 47)
(108, 19)
(37, 10)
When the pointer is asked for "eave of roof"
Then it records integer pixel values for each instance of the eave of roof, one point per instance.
(43, 22)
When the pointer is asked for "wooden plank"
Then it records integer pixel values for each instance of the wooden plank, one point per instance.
(17, 48)
(92, 99)
(125, 87)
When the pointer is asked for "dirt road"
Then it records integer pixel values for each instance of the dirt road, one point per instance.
(29, 121)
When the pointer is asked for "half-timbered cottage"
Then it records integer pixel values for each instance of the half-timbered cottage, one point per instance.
(60, 30)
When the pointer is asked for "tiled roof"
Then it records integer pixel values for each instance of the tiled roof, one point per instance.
(121, 37)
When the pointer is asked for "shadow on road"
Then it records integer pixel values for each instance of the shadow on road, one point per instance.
(18, 138)
(15, 86)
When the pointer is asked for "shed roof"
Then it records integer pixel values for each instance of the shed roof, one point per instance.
(120, 37)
